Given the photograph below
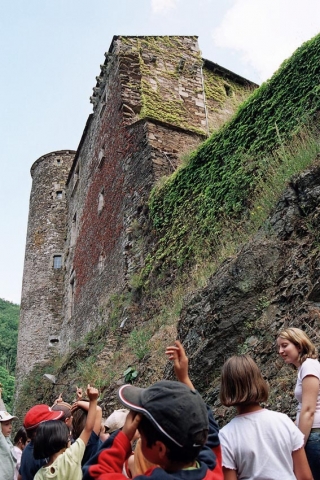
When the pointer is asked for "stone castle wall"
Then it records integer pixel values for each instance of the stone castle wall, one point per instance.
(153, 101)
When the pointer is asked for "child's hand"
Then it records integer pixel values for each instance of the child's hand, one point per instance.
(131, 424)
(58, 400)
(177, 354)
(93, 393)
(79, 393)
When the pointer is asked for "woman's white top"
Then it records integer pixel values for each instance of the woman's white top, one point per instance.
(310, 366)
(259, 445)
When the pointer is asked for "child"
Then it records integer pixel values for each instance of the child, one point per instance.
(80, 410)
(19, 441)
(52, 441)
(33, 418)
(7, 460)
(257, 443)
(173, 422)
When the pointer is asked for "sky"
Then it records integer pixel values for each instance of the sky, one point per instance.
(50, 52)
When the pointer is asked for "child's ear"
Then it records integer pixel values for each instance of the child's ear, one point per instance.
(161, 450)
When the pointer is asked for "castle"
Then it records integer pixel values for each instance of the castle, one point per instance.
(155, 98)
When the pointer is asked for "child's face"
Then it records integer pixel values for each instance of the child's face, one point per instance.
(6, 428)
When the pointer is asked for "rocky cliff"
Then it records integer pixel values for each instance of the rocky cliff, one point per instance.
(272, 282)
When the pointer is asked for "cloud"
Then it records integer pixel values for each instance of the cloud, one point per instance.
(163, 6)
(266, 32)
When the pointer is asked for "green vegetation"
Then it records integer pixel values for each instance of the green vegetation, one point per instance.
(224, 175)
(9, 321)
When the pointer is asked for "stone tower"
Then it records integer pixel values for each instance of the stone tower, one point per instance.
(42, 286)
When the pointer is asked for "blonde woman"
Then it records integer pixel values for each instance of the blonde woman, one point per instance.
(296, 348)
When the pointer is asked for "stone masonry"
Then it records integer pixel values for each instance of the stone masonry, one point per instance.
(155, 99)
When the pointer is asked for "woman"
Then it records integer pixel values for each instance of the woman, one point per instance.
(296, 348)
(257, 443)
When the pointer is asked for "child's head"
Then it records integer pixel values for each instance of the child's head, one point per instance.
(6, 423)
(38, 414)
(66, 409)
(305, 347)
(79, 418)
(173, 414)
(21, 438)
(242, 382)
(51, 437)
(116, 420)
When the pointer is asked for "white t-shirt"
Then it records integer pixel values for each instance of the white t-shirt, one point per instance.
(17, 452)
(259, 445)
(66, 466)
(310, 366)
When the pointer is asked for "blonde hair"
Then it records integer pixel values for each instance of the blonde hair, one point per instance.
(242, 382)
(301, 340)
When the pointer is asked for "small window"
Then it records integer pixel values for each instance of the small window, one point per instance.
(71, 292)
(58, 160)
(59, 195)
(228, 90)
(57, 261)
(101, 201)
(101, 262)
(73, 230)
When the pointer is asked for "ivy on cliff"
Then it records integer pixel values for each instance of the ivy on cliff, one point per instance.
(222, 174)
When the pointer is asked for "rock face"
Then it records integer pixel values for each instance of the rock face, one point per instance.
(271, 283)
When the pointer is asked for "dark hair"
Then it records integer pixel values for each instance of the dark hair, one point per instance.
(21, 435)
(175, 453)
(78, 422)
(242, 382)
(52, 436)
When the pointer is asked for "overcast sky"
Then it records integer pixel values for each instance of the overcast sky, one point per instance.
(50, 52)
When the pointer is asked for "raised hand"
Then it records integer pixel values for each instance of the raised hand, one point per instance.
(177, 355)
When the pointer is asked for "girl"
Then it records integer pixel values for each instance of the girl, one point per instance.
(7, 460)
(19, 441)
(257, 443)
(296, 348)
(52, 441)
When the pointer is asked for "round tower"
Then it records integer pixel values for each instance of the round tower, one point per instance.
(43, 276)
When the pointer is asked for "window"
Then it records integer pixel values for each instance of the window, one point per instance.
(71, 292)
(59, 195)
(76, 175)
(101, 201)
(228, 90)
(73, 230)
(101, 262)
(57, 261)
(58, 160)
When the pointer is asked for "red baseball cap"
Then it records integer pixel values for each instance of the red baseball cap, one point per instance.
(38, 414)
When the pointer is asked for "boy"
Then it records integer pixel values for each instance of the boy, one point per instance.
(7, 460)
(178, 432)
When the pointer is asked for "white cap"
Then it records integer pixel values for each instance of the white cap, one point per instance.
(116, 420)
(5, 416)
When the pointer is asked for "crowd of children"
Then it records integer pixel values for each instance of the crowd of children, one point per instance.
(167, 432)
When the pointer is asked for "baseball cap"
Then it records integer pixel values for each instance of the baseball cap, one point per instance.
(116, 420)
(5, 416)
(63, 407)
(174, 409)
(38, 414)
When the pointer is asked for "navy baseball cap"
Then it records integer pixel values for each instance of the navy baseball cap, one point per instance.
(174, 409)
